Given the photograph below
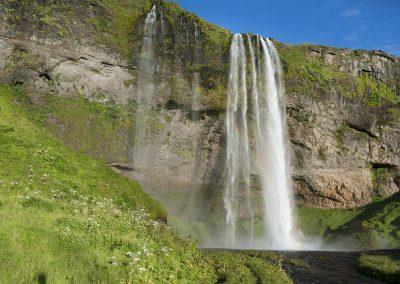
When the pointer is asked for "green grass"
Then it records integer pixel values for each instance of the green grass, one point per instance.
(382, 267)
(376, 226)
(248, 267)
(308, 75)
(375, 93)
(103, 131)
(317, 221)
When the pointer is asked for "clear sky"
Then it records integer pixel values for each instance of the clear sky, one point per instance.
(358, 24)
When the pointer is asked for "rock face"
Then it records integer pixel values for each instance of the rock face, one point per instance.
(344, 151)
(90, 73)
(336, 150)
(339, 144)
(378, 63)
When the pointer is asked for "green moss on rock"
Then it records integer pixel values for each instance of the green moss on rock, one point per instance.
(375, 93)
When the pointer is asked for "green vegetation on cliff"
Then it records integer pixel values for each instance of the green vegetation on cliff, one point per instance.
(309, 75)
(107, 23)
(104, 131)
(375, 93)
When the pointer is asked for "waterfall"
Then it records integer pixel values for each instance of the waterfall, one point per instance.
(270, 160)
(238, 153)
(196, 76)
(273, 167)
(145, 90)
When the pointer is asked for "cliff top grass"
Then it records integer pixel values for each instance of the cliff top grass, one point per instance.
(114, 24)
(310, 75)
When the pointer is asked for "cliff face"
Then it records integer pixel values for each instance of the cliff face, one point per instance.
(344, 130)
(342, 105)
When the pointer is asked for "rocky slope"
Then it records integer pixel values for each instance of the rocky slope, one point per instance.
(343, 105)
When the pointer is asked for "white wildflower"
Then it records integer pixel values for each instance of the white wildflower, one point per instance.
(45, 176)
(114, 261)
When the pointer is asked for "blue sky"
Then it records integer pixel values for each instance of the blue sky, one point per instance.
(358, 24)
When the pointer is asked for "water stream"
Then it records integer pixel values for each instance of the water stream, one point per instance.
(145, 92)
(237, 153)
(257, 180)
(196, 77)
(270, 160)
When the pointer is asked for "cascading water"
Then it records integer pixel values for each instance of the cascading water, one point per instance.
(146, 89)
(270, 160)
(238, 153)
(196, 76)
(265, 120)
(273, 167)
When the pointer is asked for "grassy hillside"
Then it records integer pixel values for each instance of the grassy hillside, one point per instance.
(65, 217)
(376, 225)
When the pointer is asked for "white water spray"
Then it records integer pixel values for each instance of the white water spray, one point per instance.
(146, 89)
(271, 160)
